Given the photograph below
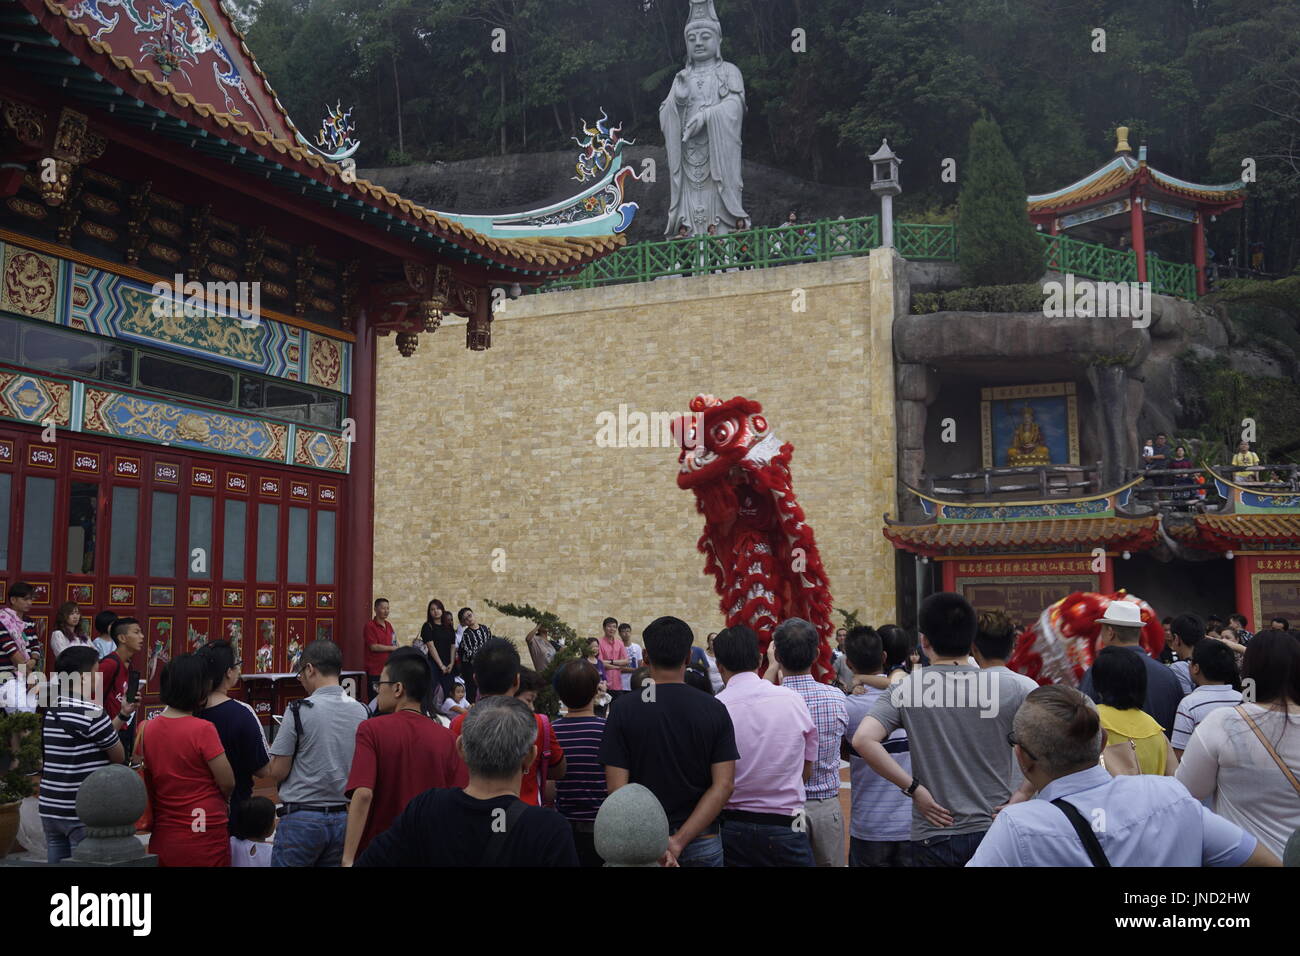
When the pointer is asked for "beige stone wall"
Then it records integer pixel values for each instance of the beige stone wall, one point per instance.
(497, 449)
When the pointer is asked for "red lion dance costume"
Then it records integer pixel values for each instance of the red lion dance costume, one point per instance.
(757, 547)
(1062, 644)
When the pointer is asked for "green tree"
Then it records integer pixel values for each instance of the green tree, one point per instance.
(996, 242)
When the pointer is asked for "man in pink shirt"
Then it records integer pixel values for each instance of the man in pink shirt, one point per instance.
(763, 823)
(613, 654)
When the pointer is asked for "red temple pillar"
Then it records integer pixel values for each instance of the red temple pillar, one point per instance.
(358, 520)
(1054, 227)
(949, 575)
(1245, 600)
(1198, 251)
(1139, 236)
(1106, 579)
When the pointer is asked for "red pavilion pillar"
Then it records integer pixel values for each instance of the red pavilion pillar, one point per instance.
(1198, 251)
(949, 569)
(1139, 236)
(1241, 568)
(1106, 579)
(358, 520)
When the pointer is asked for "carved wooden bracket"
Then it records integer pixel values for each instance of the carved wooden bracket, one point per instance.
(419, 302)
(56, 143)
(137, 224)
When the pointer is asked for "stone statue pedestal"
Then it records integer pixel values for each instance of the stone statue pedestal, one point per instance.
(109, 803)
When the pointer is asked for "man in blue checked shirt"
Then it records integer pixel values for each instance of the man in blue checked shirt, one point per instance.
(1082, 816)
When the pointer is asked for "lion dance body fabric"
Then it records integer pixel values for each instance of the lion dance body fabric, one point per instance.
(1062, 644)
(756, 543)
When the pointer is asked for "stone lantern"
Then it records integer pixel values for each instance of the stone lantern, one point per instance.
(884, 183)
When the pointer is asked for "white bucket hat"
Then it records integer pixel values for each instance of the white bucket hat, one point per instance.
(1122, 614)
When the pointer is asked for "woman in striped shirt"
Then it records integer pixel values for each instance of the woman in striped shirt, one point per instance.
(579, 795)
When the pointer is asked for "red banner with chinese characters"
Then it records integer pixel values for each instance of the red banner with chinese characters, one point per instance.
(1274, 588)
(1019, 587)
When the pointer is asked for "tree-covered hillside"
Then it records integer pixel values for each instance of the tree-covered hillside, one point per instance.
(1206, 83)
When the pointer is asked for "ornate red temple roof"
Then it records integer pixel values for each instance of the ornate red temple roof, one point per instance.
(1239, 531)
(1010, 537)
(1122, 174)
(188, 64)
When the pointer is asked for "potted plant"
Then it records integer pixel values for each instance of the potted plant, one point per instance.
(20, 758)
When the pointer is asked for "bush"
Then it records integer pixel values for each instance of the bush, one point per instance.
(20, 755)
(547, 702)
(850, 618)
(998, 244)
(1027, 297)
(1219, 398)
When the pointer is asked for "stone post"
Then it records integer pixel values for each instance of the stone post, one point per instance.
(631, 828)
(109, 803)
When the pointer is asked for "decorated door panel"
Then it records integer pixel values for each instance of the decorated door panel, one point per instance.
(196, 547)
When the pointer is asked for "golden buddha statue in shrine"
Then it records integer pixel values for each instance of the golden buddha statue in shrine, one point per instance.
(1027, 444)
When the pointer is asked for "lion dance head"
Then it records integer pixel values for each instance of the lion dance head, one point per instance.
(756, 542)
(1062, 644)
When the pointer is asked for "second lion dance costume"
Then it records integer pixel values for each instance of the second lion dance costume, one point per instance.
(756, 543)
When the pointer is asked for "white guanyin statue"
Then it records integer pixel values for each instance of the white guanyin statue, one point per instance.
(701, 120)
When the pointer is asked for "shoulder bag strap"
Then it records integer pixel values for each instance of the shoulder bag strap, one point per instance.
(497, 842)
(1277, 759)
(1090, 842)
(295, 707)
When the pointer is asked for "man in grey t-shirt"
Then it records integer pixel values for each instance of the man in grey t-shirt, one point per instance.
(311, 769)
(957, 719)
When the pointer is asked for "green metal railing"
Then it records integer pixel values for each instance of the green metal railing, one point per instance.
(1171, 278)
(830, 238)
(757, 248)
(937, 243)
(1092, 261)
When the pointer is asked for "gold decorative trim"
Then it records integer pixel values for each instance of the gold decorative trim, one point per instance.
(139, 275)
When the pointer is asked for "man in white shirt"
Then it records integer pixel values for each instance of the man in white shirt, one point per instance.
(1149, 820)
(1214, 670)
(635, 653)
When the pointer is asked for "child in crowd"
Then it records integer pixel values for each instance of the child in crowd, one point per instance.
(456, 703)
(251, 840)
(102, 642)
(1148, 450)
(529, 684)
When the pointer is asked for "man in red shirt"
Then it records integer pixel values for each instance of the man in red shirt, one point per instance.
(496, 668)
(380, 642)
(116, 670)
(399, 755)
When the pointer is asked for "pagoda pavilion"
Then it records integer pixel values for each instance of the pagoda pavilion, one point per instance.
(1127, 196)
